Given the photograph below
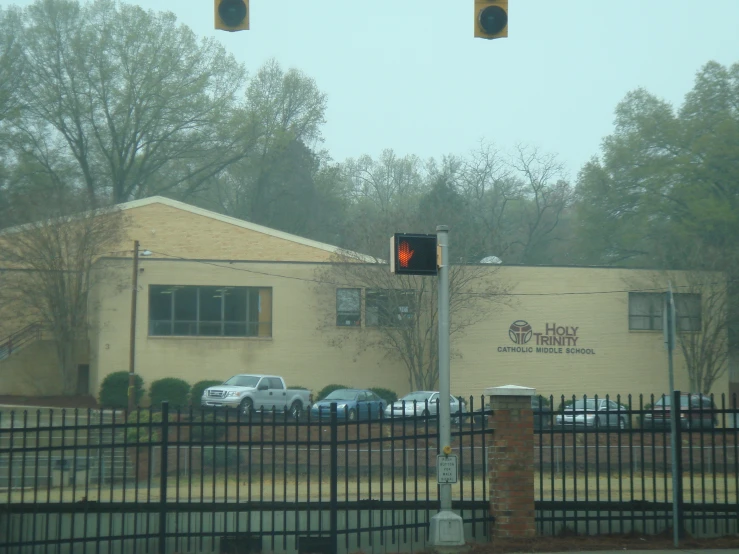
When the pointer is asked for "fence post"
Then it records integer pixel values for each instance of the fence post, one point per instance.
(512, 462)
(333, 516)
(678, 458)
(163, 466)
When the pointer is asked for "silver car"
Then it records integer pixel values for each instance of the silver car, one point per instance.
(594, 413)
(423, 404)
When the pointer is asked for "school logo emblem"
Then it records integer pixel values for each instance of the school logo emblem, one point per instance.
(520, 332)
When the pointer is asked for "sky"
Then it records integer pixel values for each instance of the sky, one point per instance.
(409, 74)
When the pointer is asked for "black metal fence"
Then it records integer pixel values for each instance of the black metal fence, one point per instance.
(181, 481)
(604, 465)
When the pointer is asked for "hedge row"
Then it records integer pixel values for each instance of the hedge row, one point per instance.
(179, 393)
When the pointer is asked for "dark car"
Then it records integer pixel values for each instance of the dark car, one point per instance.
(697, 411)
(591, 412)
(351, 405)
(540, 408)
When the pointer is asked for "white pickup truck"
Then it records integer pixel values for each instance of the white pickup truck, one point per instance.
(257, 392)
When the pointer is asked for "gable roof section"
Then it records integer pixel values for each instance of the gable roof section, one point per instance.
(176, 204)
(240, 223)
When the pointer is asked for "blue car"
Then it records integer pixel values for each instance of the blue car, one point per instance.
(352, 405)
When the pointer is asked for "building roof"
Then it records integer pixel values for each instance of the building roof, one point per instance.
(237, 222)
(176, 204)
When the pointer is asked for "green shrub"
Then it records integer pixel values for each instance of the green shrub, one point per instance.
(170, 389)
(140, 426)
(114, 390)
(541, 401)
(386, 394)
(328, 389)
(196, 393)
(208, 427)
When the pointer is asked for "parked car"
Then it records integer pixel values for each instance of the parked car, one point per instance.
(594, 413)
(424, 404)
(352, 405)
(697, 411)
(542, 413)
(256, 392)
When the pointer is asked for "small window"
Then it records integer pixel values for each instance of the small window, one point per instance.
(645, 311)
(275, 383)
(688, 312)
(348, 307)
(391, 308)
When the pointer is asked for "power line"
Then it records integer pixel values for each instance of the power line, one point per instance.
(482, 295)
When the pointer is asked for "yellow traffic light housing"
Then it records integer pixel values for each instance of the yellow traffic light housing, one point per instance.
(491, 18)
(232, 15)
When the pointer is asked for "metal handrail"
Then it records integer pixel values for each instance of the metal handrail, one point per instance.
(19, 339)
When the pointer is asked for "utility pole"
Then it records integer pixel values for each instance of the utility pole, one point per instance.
(669, 332)
(132, 346)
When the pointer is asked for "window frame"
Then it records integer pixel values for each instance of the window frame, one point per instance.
(386, 319)
(171, 327)
(354, 319)
(684, 322)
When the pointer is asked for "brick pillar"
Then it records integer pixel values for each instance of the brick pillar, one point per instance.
(511, 462)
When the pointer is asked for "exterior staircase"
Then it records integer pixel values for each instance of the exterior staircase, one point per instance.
(19, 340)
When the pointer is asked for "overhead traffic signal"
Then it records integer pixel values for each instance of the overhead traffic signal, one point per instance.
(413, 254)
(491, 18)
(232, 15)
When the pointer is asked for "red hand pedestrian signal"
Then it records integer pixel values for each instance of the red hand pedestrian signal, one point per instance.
(404, 253)
(413, 254)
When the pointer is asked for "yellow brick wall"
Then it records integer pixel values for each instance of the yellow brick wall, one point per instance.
(32, 371)
(298, 351)
(624, 362)
(169, 230)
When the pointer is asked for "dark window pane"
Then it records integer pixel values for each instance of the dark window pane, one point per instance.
(645, 311)
(234, 329)
(209, 329)
(211, 299)
(235, 304)
(186, 304)
(160, 310)
(186, 328)
(160, 328)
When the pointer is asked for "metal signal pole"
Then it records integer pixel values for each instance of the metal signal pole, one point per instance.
(447, 528)
(132, 345)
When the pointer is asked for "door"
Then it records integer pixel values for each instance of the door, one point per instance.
(278, 393)
(83, 379)
(362, 405)
(261, 395)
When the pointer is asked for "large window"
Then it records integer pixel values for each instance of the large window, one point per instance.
(210, 311)
(389, 308)
(645, 311)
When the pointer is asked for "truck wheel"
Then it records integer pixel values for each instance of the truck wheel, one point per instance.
(247, 407)
(296, 410)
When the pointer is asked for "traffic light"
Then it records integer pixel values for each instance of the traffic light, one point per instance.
(232, 15)
(413, 254)
(491, 18)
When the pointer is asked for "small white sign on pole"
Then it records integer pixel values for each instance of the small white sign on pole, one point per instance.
(446, 469)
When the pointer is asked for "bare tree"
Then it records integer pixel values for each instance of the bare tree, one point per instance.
(47, 273)
(401, 312)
